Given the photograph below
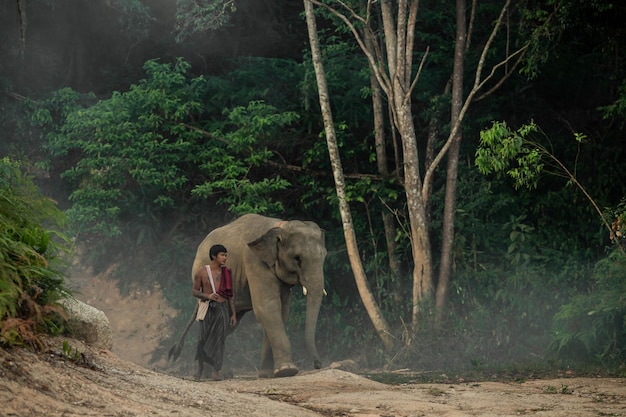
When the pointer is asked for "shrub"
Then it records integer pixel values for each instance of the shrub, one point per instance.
(593, 323)
(30, 255)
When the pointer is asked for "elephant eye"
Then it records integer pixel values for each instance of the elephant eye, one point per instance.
(298, 259)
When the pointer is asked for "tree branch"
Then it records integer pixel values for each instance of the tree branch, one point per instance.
(477, 86)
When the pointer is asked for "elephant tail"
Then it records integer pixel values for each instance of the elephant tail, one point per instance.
(175, 350)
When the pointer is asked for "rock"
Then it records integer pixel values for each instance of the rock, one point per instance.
(87, 323)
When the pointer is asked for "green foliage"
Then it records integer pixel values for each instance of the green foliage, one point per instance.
(57, 107)
(517, 251)
(272, 81)
(130, 149)
(135, 18)
(545, 24)
(245, 132)
(70, 352)
(144, 152)
(131, 180)
(507, 285)
(593, 323)
(197, 16)
(617, 109)
(550, 389)
(31, 252)
(483, 209)
(501, 146)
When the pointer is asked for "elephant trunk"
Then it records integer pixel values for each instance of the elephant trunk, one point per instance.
(313, 302)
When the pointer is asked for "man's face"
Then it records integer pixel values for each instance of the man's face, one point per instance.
(221, 258)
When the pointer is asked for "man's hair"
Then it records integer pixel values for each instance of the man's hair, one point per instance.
(215, 249)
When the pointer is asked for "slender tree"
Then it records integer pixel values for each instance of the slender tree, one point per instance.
(392, 65)
(460, 46)
(378, 113)
(380, 324)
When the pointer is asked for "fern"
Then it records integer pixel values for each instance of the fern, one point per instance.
(31, 254)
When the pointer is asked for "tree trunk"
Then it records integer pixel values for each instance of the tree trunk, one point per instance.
(379, 322)
(443, 283)
(383, 170)
(420, 240)
(23, 23)
(434, 126)
(399, 37)
(392, 67)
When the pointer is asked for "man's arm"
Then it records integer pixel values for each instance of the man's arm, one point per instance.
(231, 304)
(233, 313)
(197, 286)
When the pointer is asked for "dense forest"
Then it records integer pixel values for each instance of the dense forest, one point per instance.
(466, 160)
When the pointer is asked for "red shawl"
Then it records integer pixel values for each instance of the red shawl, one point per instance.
(226, 284)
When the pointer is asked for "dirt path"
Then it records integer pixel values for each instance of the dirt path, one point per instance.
(90, 382)
(98, 383)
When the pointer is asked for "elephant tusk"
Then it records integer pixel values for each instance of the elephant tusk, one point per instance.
(305, 291)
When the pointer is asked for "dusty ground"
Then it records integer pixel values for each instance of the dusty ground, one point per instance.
(98, 383)
(82, 381)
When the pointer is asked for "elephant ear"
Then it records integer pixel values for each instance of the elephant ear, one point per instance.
(266, 247)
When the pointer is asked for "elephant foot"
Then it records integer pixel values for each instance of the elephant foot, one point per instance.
(285, 370)
(266, 373)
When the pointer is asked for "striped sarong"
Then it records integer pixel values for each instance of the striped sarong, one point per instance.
(213, 331)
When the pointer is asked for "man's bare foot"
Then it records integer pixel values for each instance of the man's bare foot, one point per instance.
(217, 377)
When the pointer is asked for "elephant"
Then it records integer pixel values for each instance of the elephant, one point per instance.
(268, 257)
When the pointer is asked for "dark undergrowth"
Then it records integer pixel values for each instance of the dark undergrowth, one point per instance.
(512, 374)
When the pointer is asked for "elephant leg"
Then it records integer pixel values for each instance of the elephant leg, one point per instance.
(267, 358)
(276, 350)
(284, 368)
(270, 367)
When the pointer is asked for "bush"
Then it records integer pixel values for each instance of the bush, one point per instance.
(593, 323)
(30, 254)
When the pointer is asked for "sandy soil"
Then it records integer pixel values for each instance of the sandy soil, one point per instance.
(82, 381)
(98, 383)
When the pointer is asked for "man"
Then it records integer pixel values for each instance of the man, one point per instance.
(212, 284)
